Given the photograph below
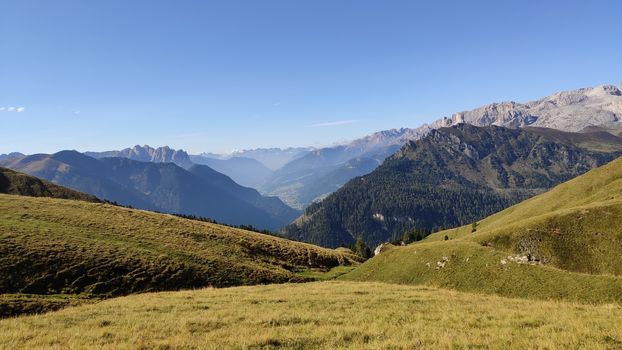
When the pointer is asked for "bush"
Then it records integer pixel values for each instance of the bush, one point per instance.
(474, 227)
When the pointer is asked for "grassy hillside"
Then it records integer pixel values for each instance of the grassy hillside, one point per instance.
(320, 315)
(52, 246)
(470, 267)
(13, 182)
(576, 226)
(562, 244)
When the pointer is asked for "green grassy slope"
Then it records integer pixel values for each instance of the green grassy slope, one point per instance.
(13, 182)
(471, 267)
(52, 246)
(572, 234)
(600, 186)
(576, 226)
(319, 315)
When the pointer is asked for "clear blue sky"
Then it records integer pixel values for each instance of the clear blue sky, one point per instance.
(223, 75)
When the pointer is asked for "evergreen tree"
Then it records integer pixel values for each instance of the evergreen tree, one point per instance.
(361, 248)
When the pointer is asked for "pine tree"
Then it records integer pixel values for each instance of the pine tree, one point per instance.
(361, 248)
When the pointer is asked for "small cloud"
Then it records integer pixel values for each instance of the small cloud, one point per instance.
(12, 109)
(335, 123)
(76, 112)
(276, 104)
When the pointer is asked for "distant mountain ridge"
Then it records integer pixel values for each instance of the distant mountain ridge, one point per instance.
(273, 158)
(574, 110)
(451, 177)
(148, 154)
(567, 110)
(165, 187)
(11, 155)
(245, 171)
(303, 175)
(321, 172)
(250, 168)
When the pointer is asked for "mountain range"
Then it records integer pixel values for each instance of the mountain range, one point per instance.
(296, 182)
(303, 175)
(273, 158)
(245, 171)
(148, 154)
(322, 171)
(11, 155)
(453, 176)
(166, 187)
(567, 110)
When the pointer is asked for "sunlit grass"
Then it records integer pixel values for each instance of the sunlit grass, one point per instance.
(54, 246)
(470, 267)
(321, 275)
(319, 315)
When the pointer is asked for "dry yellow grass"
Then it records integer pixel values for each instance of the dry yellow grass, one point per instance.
(55, 246)
(319, 315)
(68, 248)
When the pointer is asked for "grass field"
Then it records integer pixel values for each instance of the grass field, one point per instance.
(55, 246)
(318, 315)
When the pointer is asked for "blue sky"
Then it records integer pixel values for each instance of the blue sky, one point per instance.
(223, 75)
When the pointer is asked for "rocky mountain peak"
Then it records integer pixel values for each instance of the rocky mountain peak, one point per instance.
(608, 90)
(147, 153)
(567, 110)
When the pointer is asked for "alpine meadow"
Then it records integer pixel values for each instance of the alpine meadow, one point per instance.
(310, 175)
